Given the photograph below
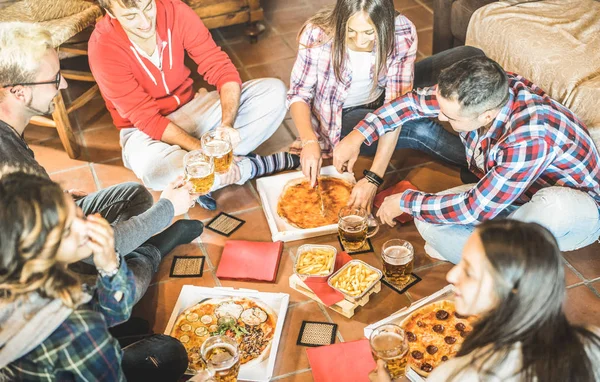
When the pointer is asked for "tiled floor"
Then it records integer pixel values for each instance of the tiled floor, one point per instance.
(100, 166)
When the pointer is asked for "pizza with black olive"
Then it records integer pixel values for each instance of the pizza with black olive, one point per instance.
(435, 333)
(249, 321)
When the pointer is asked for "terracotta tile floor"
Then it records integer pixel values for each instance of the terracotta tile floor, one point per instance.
(100, 166)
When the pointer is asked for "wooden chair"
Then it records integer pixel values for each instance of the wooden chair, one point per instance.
(65, 19)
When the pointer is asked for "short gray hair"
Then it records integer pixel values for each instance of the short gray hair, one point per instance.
(22, 46)
(478, 84)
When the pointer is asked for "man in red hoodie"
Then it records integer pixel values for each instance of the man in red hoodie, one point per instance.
(136, 54)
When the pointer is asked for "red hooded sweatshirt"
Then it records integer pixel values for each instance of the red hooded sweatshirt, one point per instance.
(139, 94)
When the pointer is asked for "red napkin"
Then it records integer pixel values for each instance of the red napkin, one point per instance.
(250, 260)
(346, 361)
(399, 188)
(324, 292)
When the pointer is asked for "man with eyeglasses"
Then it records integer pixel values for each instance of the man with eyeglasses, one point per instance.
(29, 80)
(534, 158)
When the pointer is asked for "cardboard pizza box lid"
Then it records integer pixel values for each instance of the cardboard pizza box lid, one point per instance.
(270, 188)
(190, 295)
(443, 294)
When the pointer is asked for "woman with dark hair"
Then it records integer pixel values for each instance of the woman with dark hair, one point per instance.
(52, 327)
(352, 58)
(511, 275)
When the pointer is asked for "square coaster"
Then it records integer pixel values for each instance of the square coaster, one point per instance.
(413, 280)
(187, 266)
(313, 333)
(225, 224)
(366, 248)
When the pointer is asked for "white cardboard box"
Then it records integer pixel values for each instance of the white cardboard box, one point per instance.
(443, 294)
(191, 295)
(270, 188)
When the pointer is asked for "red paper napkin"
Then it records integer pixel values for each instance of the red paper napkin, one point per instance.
(399, 188)
(324, 292)
(250, 260)
(346, 361)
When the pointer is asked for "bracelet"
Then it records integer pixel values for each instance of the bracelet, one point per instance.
(104, 273)
(309, 141)
(373, 178)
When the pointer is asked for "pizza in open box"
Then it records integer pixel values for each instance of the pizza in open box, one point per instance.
(249, 321)
(435, 333)
(299, 204)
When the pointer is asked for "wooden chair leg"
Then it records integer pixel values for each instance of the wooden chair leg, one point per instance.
(63, 126)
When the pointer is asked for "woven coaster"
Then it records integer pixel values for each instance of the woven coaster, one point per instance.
(225, 224)
(314, 333)
(413, 280)
(366, 248)
(187, 266)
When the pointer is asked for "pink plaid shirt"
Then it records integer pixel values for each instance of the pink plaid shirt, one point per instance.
(313, 80)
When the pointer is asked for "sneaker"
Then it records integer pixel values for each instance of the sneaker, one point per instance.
(207, 202)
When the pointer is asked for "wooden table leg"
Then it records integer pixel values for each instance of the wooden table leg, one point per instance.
(64, 128)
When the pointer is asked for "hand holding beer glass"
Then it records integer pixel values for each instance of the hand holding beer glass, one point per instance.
(199, 171)
(217, 144)
(222, 358)
(398, 259)
(388, 343)
(355, 226)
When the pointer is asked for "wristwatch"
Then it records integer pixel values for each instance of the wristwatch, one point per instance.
(109, 274)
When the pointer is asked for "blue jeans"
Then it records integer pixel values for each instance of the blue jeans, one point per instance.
(571, 215)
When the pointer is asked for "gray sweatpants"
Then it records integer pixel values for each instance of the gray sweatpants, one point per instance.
(261, 111)
(128, 208)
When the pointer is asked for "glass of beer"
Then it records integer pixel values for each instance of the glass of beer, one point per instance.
(398, 259)
(199, 171)
(222, 358)
(216, 143)
(388, 343)
(354, 227)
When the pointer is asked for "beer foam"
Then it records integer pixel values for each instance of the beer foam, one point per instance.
(387, 342)
(397, 255)
(217, 148)
(198, 170)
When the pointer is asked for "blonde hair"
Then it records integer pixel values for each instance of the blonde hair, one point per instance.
(33, 214)
(22, 46)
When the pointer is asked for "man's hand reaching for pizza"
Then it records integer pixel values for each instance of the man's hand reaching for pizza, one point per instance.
(390, 208)
(363, 194)
(346, 152)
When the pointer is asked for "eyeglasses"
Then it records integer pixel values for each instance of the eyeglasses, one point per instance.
(56, 82)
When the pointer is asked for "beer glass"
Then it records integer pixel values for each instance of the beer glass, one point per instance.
(398, 259)
(199, 171)
(222, 358)
(353, 227)
(216, 143)
(388, 343)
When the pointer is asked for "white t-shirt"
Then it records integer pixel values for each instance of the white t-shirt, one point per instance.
(154, 58)
(360, 91)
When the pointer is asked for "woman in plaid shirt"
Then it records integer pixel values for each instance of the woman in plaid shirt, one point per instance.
(351, 58)
(52, 328)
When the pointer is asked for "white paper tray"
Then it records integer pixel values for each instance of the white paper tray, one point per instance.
(443, 294)
(270, 189)
(191, 295)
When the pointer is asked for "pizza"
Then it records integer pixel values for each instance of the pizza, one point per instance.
(435, 333)
(249, 321)
(299, 204)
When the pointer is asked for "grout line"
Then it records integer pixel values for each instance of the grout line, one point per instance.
(282, 376)
(593, 280)
(301, 303)
(594, 291)
(70, 169)
(95, 176)
(576, 285)
(424, 6)
(572, 268)
(429, 266)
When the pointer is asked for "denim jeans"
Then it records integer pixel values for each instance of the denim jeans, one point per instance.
(571, 215)
(261, 111)
(423, 134)
(128, 208)
(155, 358)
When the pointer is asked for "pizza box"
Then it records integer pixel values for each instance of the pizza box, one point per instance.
(446, 293)
(270, 188)
(190, 295)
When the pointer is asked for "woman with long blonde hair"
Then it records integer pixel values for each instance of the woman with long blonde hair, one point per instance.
(52, 327)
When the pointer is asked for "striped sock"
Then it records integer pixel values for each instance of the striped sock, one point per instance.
(270, 164)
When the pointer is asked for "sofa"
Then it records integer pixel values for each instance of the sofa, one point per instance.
(554, 43)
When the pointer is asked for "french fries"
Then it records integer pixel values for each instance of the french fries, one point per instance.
(315, 262)
(354, 279)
